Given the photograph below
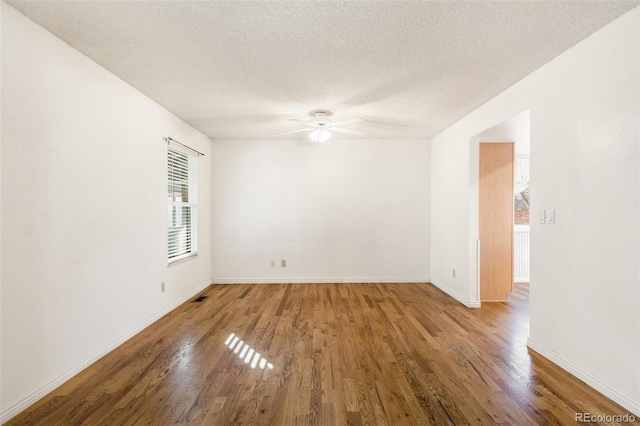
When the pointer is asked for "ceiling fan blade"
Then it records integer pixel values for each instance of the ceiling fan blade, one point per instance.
(349, 131)
(293, 131)
(346, 121)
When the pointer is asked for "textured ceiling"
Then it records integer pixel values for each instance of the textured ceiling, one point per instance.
(244, 69)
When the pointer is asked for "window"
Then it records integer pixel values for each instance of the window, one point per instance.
(521, 198)
(182, 205)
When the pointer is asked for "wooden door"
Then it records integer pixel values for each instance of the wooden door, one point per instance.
(496, 220)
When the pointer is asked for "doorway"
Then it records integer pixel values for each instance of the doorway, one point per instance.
(515, 130)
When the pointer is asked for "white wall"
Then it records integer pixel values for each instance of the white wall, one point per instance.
(83, 212)
(514, 129)
(585, 162)
(359, 215)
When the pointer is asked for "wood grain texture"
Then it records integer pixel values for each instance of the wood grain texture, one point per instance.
(496, 220)
(378, 354)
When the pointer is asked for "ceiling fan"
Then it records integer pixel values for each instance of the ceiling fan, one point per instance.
(321, 126)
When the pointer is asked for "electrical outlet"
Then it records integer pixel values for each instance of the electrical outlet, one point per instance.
(273, 263)
(454, 273)
(162, 287)
(283, 263)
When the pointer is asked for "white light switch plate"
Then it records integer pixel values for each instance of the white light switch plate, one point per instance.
(551, 216)
(542, 217)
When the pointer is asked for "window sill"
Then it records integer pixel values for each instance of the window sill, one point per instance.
(181, 259)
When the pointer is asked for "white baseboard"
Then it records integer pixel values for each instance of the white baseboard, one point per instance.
(521, 279)
(21, 404)
(320, 280)
(455, 295)
(626, 401)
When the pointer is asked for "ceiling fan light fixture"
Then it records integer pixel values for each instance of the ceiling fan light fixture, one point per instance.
(320, 134)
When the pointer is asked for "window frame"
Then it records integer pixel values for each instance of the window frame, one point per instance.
(191, 203)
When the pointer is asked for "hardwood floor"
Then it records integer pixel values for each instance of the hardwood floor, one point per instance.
(386, 354)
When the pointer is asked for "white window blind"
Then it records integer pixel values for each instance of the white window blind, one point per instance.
(182, 208)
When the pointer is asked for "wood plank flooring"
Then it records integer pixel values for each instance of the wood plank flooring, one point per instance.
(342, 354)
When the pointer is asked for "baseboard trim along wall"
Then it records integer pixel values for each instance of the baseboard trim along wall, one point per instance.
(458, 297)
(626, 401)
(35, 395)
(345, 280)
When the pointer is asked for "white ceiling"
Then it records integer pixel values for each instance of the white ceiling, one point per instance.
(237, 69)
